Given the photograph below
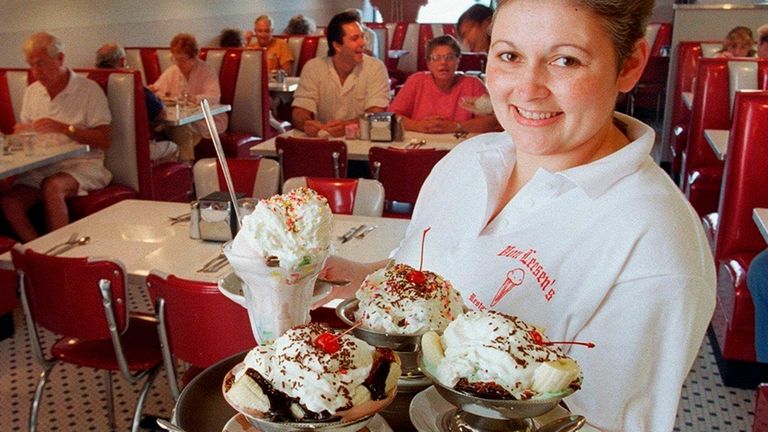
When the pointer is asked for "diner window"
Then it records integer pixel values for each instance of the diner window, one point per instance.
(446, 11)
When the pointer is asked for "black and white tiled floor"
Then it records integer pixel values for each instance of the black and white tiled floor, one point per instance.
(74, 399)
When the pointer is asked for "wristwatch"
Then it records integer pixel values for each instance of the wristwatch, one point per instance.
(71, 130)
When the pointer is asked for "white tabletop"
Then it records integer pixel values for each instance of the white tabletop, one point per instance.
(760, 216)
(18, 162)
(687, 99)
(358, 149)
(718, 140)
(190, 113)
(289, 85)
(140, 235)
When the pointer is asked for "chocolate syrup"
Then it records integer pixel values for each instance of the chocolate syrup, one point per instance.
(280, 403)
(376, 383)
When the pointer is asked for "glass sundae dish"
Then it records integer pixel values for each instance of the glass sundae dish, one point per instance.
(498, 371)
(312, 379)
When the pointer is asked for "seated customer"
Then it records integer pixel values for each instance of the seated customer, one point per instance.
(279, 56)
(335, 90)
(300, 25)
(430, 100)
(189, 80)
(473, 28)
(112, 56)
(762, 41)
(231, 38)
(738, 42)
(61, 106)
(757, 281)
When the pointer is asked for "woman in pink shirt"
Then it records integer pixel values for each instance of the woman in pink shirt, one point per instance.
(430, 101)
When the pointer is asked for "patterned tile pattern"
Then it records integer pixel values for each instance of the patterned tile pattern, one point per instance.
(74, 399)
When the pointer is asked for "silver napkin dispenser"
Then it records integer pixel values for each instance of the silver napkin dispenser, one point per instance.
(385, 127)
(213, 217)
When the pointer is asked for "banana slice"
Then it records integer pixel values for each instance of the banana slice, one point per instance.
(246, 393)
(554, 376)
(394, 375)
(432, 349)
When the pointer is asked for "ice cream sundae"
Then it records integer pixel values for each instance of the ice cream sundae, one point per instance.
(311, 374)
(278, 253)
(400, 299)
(496, 356)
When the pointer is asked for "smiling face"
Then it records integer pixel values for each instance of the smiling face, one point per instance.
(263, 32)
(353, 44)
(554, 90)
(442, 62)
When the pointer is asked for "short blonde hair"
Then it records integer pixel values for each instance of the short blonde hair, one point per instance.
(186, 43)
(43, 41)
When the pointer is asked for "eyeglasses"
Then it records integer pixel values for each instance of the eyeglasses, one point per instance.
(446, 57)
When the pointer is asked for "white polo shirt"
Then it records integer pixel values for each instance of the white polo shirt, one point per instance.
(320, 90)
(82, 103)
(609, 252)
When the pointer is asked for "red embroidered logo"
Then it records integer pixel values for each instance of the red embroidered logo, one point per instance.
(530, 261)
(514, 278)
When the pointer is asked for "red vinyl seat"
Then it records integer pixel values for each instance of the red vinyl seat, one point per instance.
(197, 324)
(254, 177)
(348, 196)
(83, 301)
(402, 172)
(701, 173)
(761, 409)
(688, 54)
(244, 81)
(737, 239)
(8, 299)
(311, 157)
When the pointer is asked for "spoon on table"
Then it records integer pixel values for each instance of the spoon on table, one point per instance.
(72, 239)
(79, 242)
(165, 424)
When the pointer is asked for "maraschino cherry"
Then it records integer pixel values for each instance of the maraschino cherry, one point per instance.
(539, 340)
(417, 277)
(329, 342)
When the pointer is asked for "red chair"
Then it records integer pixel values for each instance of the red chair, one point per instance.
(473, 61)
(83, 300)
(196, 324)
(716, 82)
(348, 196)
(761, 409)
(253, 177)
(311, 157)
(402, 172)
(8, 299)
(737, 239)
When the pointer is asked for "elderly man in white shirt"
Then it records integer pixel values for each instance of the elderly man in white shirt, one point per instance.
(335, 90)
(59, 105)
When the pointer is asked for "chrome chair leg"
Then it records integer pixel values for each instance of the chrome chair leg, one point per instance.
(142, 397)
(35, 409)
(110, 400)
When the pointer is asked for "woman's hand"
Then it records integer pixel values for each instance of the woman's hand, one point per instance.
(355, 272)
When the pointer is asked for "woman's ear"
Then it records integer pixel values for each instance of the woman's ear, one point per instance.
(633, 66)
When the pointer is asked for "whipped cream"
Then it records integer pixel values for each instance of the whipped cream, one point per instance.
(294, 227)
(491, 347)
(320, 380)
(391, 303)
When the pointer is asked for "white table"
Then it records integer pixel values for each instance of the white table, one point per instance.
(289, 85)
(718, 140)
(687, 99)
(760, 216)
(358, 149)
(18, 162)
(140, 235)
(190, 113)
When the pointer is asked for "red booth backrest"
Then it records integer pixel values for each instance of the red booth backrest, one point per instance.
(745, 177)
(413, 37)
(711, 108)
(150, 61)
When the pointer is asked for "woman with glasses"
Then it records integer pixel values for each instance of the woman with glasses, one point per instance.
(189, 81)
(430, 101)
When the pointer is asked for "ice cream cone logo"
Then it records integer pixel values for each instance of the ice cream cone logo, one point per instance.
(514, 278)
